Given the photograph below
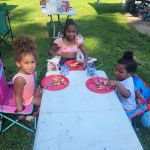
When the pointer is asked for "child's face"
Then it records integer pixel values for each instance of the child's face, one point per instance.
(27, 64)
(71, 32)
(121, 72)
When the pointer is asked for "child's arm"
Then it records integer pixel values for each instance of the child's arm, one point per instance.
(18, 89)
(122, 90)
(54, 51)
(84, 51)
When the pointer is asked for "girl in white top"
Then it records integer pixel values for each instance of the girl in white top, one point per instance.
(124, 81)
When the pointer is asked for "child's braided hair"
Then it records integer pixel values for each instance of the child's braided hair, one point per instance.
(69, 22)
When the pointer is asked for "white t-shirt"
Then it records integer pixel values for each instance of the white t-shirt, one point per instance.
(127, 103)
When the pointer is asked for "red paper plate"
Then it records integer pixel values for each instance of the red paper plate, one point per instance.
(99, 85)
(74, 65)
(55, 82)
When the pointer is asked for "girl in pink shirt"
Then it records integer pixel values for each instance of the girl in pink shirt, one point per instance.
(69, 44)
(24, 80)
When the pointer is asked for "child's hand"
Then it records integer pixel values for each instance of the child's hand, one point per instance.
(113, 83)
(59, 53)
(122, 90)
(62, 54)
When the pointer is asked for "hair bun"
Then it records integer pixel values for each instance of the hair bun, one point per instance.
(70, 21)
(128, 55)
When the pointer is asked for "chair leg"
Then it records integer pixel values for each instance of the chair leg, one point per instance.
(9, 126)
(134, 123)
(35, 123)
(9, 33)
(2, 40)
(16, 122)
(7, 44)
(10, 30)
(1, 123)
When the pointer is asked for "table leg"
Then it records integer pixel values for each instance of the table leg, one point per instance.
(51, 23)
(59, 22)
(60, 26)
(68, 17)
(97, 1)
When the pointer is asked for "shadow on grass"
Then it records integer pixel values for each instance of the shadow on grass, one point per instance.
(106, 7)
(106, 38)
(11, 7)
(112, 38)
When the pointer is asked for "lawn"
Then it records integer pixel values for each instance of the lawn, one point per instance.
(106, 34)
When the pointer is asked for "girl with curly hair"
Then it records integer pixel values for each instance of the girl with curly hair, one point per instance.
(24, 80)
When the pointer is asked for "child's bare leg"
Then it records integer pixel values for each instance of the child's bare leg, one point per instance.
(19, 104)
(37, 102)
(21, 117)
(38, 92)
(36, 113)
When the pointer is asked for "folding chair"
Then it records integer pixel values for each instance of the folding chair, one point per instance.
(5, 27)
(7, 105)
(142, 92)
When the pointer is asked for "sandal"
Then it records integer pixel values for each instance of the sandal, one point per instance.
(17, 111)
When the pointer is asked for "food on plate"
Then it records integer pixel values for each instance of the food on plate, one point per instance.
(58, 81)
(75, 64)
(101, 87)
(106, 82)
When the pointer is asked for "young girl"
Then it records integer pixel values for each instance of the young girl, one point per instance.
(69, 44)
(124, 81)
(24, 80)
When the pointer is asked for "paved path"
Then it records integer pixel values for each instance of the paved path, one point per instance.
(141, 26)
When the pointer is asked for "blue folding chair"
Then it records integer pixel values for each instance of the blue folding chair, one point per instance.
(142, 92)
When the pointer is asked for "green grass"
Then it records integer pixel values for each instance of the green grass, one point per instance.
(106, 34)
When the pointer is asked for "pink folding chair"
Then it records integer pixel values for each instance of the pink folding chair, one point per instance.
(7, 104)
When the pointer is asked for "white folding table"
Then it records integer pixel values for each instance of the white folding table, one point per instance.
(76, 118)
(46, 11)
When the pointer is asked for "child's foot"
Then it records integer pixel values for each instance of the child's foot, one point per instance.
(21, 117)
(20, 110)
(30, 118)
(35, 113)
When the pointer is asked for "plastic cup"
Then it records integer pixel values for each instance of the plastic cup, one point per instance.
(64, 70)
(91, 71)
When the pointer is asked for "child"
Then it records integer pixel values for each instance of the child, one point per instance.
(69, 44)
(124, 81)
(24, 80)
